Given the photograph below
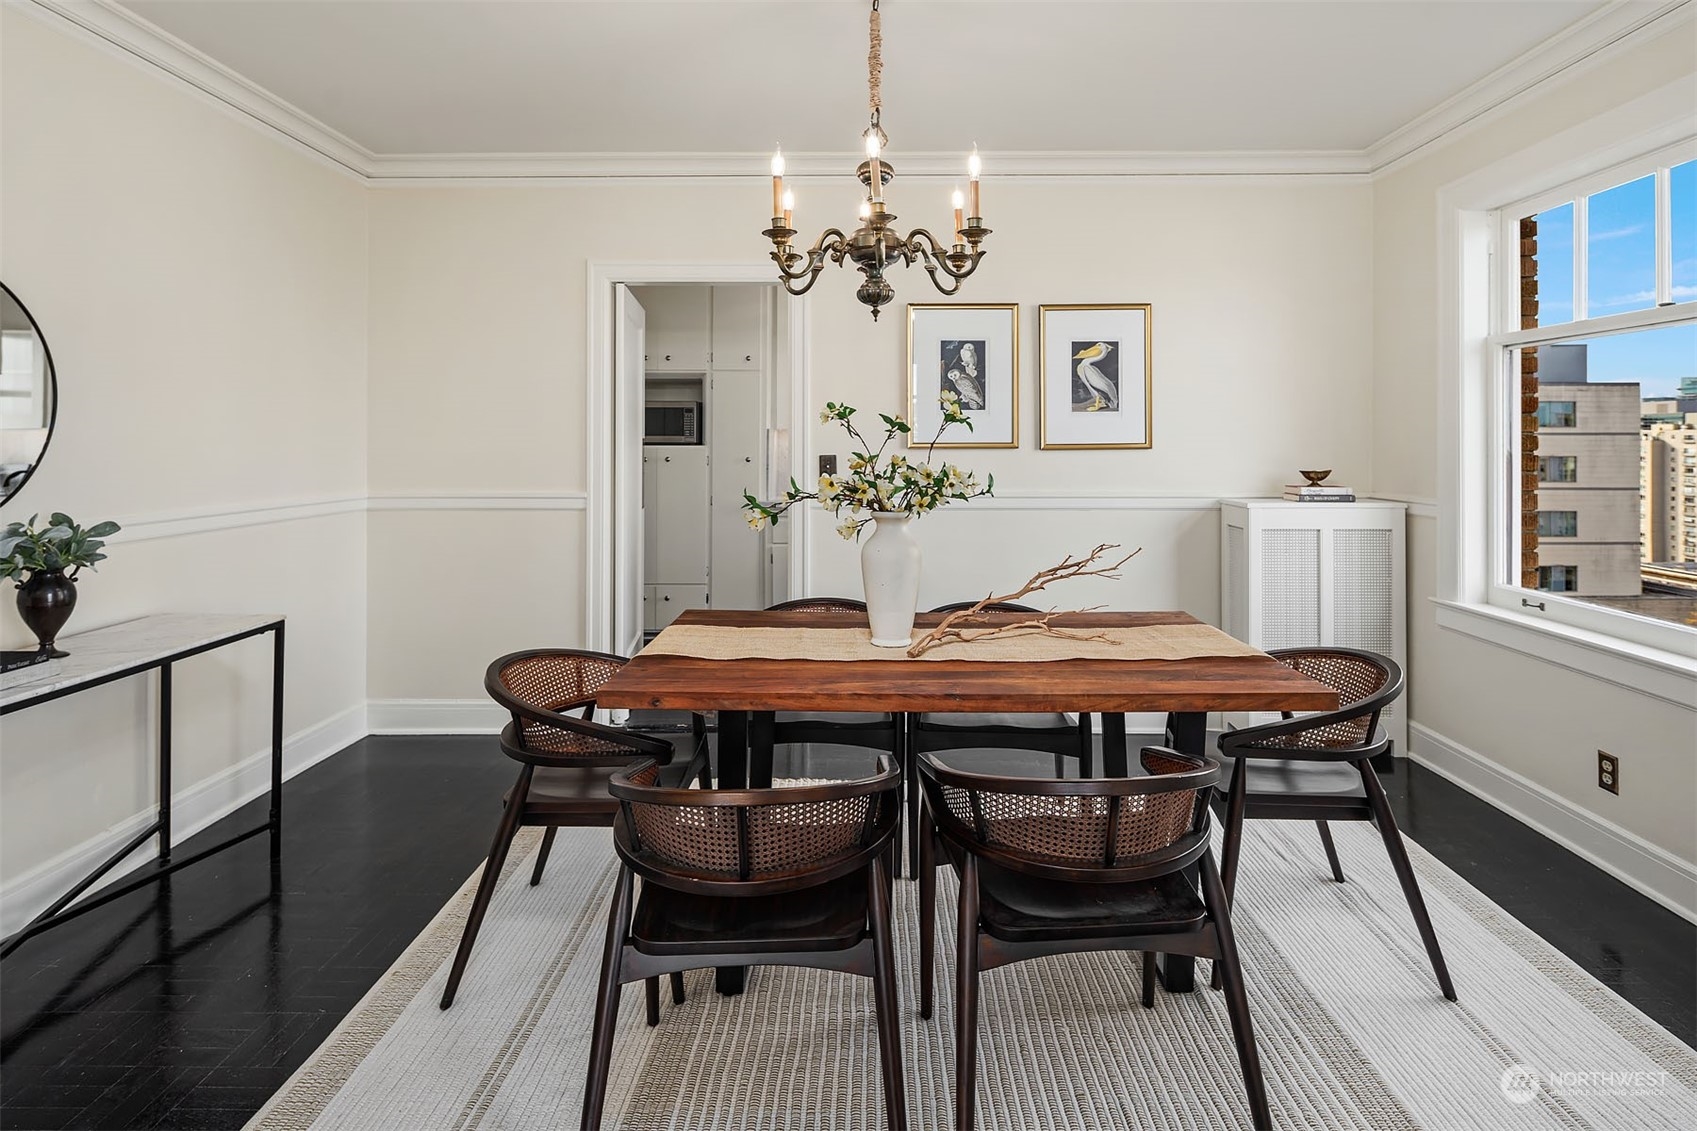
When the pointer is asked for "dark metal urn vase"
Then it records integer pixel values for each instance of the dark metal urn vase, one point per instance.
(45, 602)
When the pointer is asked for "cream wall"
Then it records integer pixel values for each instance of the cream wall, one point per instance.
(203, 290)
(1262, 363)
(1530, 731)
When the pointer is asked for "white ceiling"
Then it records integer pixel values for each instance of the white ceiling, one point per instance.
(734, 76)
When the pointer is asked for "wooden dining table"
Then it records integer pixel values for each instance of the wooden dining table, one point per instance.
(816, 676)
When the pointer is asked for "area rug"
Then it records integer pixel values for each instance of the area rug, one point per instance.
(1353, 1033)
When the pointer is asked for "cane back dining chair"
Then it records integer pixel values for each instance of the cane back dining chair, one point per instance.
(788, 876)
(1319, 768)
(566, 762)
(1052, 733)
(1082, 864)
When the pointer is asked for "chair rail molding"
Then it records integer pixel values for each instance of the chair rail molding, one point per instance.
(1645, 867)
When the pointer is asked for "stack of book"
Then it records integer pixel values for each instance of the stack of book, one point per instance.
(1309, 493)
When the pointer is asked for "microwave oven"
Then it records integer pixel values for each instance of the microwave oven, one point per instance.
(671, 422)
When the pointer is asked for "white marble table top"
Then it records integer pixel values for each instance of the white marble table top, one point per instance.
(102, 651)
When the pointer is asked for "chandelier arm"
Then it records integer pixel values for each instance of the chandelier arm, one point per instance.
(830, 243)
(936, 258)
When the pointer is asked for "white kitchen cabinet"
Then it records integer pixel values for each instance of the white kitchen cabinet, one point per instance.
(740, 326)
(675, 515)
(737, 440)
(680, 323)
(1329, 574)
(670, 600)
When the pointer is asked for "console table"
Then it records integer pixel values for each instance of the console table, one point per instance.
(136, 647)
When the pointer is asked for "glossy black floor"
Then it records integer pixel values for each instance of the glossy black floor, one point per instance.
(186, 1008)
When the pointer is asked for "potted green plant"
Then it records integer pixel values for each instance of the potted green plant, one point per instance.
(37, 561)
(888, 491)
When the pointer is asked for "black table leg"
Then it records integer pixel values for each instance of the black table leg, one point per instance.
(165, 763)
(733, 774)
(1190, 736)
(733, 749)
(761, 727)
(276, 818)
(1114, 761)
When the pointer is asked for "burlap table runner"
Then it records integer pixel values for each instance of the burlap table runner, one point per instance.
(1151, 642)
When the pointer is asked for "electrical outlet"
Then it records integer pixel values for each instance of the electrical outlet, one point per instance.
(827, 465)
(1608, 771)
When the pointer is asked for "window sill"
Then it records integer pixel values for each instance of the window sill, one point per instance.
(1668, 676)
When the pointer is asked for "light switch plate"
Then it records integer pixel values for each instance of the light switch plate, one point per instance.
(827, 465)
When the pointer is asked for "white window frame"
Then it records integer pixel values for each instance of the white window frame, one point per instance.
(1478, 424)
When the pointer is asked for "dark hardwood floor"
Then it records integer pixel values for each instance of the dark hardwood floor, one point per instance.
(186, 1007)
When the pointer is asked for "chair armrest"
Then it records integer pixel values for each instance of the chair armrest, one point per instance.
(1254, 742)
(637, 745)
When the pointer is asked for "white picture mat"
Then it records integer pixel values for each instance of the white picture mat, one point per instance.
(1060, 329)
(997, 422)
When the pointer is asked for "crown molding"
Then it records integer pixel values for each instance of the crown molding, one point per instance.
(1564, 56)
(403, 169)
(121, 31)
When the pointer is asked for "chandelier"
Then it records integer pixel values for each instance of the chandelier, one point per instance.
(875, 244)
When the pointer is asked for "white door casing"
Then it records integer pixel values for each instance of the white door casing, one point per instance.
(630, 324)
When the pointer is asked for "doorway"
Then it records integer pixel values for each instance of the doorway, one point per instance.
(720, 354)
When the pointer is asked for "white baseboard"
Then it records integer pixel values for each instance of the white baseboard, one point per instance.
(192, 810)
(1628, 857)
(435, 716)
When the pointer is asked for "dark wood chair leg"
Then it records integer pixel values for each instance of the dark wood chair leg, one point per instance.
(651, 999)
(903, 744)
(884, 994)
(677, 987)
(1392, 836)
(504, 833)
(927, 913)
(607, 1003)
(1331, 851)
(966, 1000)
(542, 856)
(1086, 747)
(1237, 1001)
(1233, 845)
(1148, 979)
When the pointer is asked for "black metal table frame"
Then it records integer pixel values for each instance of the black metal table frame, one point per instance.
(745, 760)
(62, 909)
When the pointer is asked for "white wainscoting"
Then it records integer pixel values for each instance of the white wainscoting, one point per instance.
(192, 809)
(1634, 861)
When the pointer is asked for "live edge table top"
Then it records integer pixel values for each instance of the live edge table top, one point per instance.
(1206, 683)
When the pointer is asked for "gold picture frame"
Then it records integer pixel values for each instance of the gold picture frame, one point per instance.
(1085, 396)
(975, 348)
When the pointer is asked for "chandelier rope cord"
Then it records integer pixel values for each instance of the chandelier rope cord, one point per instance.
(875, 64)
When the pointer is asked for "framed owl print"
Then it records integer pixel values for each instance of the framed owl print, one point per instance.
(1094, 376)
(972, 353)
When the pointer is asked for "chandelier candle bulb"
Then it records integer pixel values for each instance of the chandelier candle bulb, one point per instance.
(778, 184)
(789, 209)
(958, 201)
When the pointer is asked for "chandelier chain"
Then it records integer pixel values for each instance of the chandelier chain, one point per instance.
(875, 63)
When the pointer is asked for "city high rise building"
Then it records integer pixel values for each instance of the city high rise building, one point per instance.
(1668, 477)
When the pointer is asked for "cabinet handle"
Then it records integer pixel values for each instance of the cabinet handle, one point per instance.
(668, 597)
(748, 459)
(668, 459)
(668, 357)
(748, 357)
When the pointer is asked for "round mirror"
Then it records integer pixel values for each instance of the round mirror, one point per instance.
(29, 394)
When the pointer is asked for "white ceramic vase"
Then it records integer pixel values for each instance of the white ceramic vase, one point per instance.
(889, 571)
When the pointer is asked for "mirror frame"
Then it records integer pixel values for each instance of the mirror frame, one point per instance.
(53, 386)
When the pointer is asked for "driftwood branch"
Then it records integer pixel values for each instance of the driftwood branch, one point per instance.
(966, 625)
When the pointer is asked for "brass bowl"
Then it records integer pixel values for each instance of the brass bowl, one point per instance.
(1316, 477)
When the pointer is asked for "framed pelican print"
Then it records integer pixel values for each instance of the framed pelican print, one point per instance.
(1094, 376)
(971, 353)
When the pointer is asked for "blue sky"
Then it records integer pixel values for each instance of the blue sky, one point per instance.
(1621, 276)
